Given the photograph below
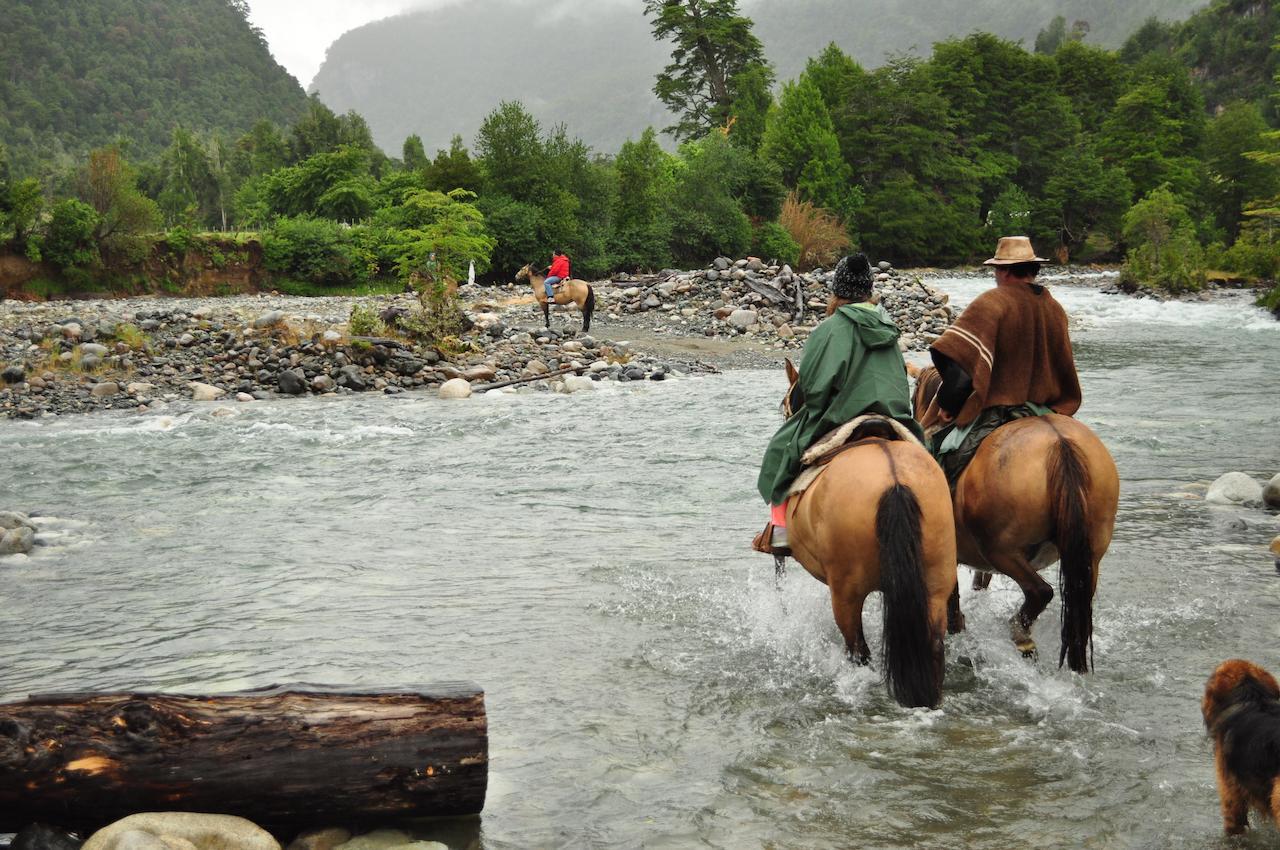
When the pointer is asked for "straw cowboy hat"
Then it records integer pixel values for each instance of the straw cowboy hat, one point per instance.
(1014, 249)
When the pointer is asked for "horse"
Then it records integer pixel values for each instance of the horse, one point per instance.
(1038, 490)
(573, 290)
(878, 517)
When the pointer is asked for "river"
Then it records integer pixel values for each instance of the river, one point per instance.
(585, 559)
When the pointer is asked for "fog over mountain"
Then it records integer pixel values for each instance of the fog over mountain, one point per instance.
(591, 63)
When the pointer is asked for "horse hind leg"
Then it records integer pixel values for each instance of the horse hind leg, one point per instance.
(546, 312)
(1037, 593)
(955, 617)
(981, 580)
(848, 614)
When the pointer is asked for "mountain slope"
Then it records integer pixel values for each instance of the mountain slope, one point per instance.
(76, 74)
(439, 72)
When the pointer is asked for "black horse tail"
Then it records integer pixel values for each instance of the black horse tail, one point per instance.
(910, 666)
(588, 308)
(1069, 488)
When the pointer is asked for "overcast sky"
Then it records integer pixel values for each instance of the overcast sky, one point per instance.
(300, 31)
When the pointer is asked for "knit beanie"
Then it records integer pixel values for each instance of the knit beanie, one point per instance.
(852, 281)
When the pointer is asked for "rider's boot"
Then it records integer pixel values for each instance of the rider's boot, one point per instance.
(772, 541)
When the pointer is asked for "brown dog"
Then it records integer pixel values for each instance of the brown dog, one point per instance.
(1242, 711)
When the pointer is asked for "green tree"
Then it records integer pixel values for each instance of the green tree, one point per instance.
(334, 184)
(125, 217)
(1156, 129)
(189, 192)
(454, 169)
(1236, 177)
(800, 139)
(1054, 37)
(1010, 213)
(511, 154)
(719, 189)
(751, 102)
(642, 227)
(1162, 246)
(838, 78)
(1084, 197)
(415, 156)
(711, 45)
(1092, 79)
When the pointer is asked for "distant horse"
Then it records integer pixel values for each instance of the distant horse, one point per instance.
(576, 291)
(878, 517)
(1038, 490)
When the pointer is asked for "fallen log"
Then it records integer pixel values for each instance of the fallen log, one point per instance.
(528, 378)
(284, 757)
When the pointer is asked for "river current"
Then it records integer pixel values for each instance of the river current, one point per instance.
(585, 559)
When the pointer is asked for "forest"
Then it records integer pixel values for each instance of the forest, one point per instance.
(1162, 154)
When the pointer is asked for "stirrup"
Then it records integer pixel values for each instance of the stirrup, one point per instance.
(765, 541)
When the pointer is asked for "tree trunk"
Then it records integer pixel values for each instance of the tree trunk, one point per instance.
(283, 757)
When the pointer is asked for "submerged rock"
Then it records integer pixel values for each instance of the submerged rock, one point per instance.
(39, 836)
(1271, 492)
(203, 832)
(1234, 488)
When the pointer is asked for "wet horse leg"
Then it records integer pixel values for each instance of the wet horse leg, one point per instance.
(848, 613)
(955, 619)
(981, 580)
(1036, 591)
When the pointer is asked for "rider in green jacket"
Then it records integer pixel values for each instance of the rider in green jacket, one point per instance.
(852, 365)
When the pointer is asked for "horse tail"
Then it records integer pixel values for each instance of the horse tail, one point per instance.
(909, 664)
(1069, 489)
(588, 308)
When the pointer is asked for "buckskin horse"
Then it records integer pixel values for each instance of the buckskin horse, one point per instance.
(1038, 490)
(878, 517)
(568, 291)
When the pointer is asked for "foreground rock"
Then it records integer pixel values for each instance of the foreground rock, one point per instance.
(17, 534)
(203, 832)
(1234, 488)
(1271, 492)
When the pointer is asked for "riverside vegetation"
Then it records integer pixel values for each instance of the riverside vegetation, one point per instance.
(1095, 153)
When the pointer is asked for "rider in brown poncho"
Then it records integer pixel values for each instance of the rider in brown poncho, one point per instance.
(1007, 356)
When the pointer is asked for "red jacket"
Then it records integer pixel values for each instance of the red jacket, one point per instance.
(559, 267)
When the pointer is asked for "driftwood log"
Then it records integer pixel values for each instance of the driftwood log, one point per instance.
(283, 757)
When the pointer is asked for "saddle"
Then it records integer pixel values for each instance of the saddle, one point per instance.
(859, 430)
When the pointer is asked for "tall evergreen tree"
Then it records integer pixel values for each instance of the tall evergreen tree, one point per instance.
(711, 45)
(801, 140)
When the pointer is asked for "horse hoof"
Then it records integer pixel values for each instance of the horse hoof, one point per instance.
(1028, 649)
(955, 627)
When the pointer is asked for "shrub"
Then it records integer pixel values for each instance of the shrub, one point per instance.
(1163, 251)
(365, 322)
(315, 251)
(773, 242)
(819, 235)
(69, 240)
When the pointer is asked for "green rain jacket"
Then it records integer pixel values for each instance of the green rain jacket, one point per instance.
(851, 366)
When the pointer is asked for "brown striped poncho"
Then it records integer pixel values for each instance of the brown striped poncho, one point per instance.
(1013, 342)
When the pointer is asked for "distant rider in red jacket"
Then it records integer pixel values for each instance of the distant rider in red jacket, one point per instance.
(559, 271)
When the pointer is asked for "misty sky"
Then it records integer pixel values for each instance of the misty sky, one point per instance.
(300, 31)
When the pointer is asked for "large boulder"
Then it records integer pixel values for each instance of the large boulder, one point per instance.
(292, 382)
(204, 832)
(13, 519)
(206, 392)
(1234, 488)
(1271, 492)
(577, 383)
(455, 388)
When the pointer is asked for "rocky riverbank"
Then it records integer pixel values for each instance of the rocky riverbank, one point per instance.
(144, 354)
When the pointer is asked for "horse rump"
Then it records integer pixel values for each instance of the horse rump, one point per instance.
(911, 670)
(1069, 490)
(1241, 709)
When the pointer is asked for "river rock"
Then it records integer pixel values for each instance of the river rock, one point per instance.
(389, 839)
(39, 836)
(95, 349)
(292, 382)
(13, 519)
(576, 383)
(72, 331)
(205, 392)
(320, 839)
(269, 320)
(1271, 492)
(139, 388)
(455, 388)
(17, 541)
(743, 318)
(323, 384)
(204, 832)
(352, 376)
(480, 373)
(105, 389)
(1234, 488)
(13, 375)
